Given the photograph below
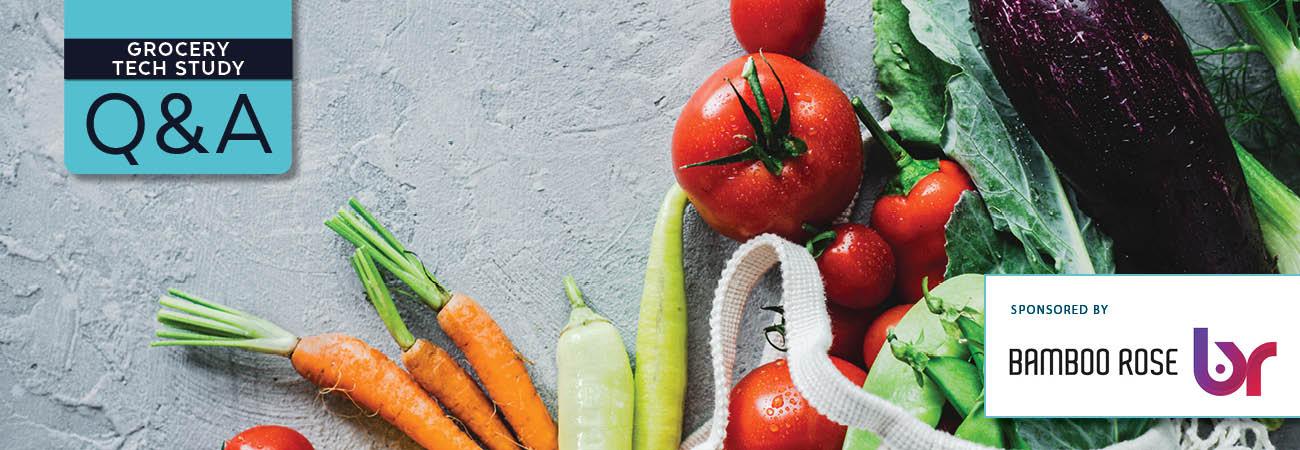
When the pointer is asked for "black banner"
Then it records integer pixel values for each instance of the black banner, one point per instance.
(175, 59)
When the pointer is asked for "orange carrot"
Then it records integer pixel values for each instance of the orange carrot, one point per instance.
(490, 353)
(334, 362)
(501, 369)
(432, 367)
(438, 373)
(345, 364)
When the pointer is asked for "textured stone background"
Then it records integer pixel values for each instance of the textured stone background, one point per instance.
(509, 142)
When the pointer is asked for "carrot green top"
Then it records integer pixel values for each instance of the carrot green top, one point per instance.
(364, 263)
(363, 230)
(192, 321)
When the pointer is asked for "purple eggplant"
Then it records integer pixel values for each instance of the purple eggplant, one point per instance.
(1112, 94)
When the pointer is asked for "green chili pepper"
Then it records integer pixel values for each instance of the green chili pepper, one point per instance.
(661, 334)
(595, 381)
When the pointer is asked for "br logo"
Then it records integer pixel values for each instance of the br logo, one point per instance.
(1244, 370)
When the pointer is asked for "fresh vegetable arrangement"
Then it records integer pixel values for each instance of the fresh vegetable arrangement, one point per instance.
(894, 379)
(1012, 126)
(333, 362)
(432, 367)
(499, 367)
(1162, 173)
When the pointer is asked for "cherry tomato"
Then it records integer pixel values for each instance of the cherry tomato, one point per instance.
(879, 329)
(748, 178)
(788, 27)
(268, 437)
(848, 327)
(857, 267)
(767, 413)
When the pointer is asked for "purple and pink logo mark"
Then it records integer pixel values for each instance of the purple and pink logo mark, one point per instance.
(1244, 370)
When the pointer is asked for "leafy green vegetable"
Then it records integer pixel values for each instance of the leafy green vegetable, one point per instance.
(1100, 247)
(982, 132)
(1025, 221)
(973, 246)
(1020, 186)
(911, 78)
(1080, 433)
(944, 27)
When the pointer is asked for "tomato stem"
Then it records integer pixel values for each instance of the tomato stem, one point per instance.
(750, 73)
(772, 143)
(778, 328)
(819, 241)
(910, 170)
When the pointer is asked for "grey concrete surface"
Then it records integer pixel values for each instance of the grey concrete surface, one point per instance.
(508, 142)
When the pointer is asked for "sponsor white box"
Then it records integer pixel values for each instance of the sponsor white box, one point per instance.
(1152, 319)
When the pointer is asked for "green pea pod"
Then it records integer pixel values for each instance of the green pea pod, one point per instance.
(956, 378)
(595, 381)
(894, 381)
(980, 429)
(973, 332)
(661, 334)
(959, 381)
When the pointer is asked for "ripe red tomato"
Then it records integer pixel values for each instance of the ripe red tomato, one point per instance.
(848, 327)
(876, 333)
(778, 180)
(788, 27)
(268, 437)
(857, 267)
(767, 413)
(914, 225)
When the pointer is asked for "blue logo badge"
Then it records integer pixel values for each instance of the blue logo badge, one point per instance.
(166, 87)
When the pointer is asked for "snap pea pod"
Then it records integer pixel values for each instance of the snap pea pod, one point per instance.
(962, 323)
(961, 383)
(974, 333)
(980, 429)
(967, 325)
(956, 378)
(894, 381)
(595, 380)
(661, 334)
